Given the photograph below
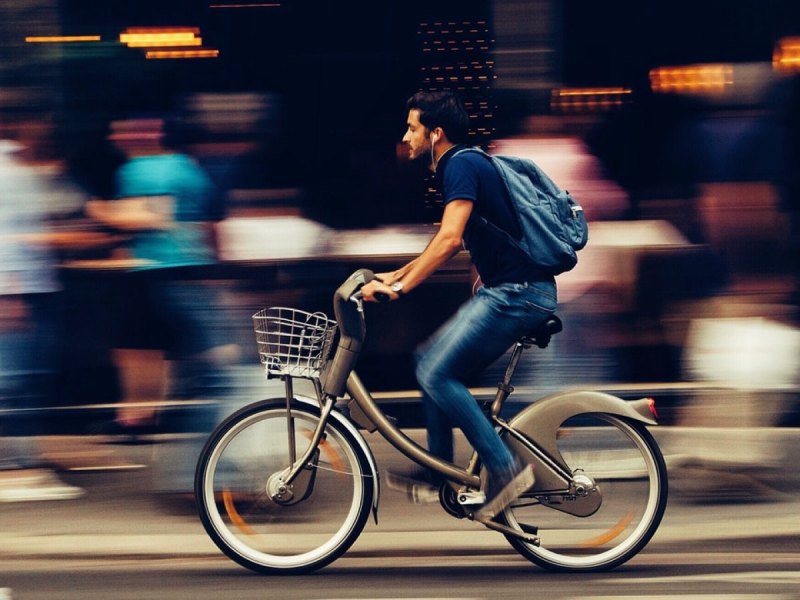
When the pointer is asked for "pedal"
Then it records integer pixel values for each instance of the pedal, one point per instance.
(524, 535)
(471, 498)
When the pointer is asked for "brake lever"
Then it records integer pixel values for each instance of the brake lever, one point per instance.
(358, 299)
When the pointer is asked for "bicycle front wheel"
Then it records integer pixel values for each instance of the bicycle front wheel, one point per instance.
(620, 458)
(305, 527)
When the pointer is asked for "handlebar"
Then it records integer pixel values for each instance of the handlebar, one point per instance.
(349, 311)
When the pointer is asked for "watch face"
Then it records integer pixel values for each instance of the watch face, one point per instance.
(397, 287)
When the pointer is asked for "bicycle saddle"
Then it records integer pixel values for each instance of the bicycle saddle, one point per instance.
(542, 334)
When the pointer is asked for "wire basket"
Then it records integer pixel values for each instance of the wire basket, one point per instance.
(293, 342)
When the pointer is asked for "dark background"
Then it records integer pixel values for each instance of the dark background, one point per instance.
(344, 69)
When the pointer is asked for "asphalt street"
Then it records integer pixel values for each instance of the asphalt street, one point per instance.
(121, 540)
(121, 515)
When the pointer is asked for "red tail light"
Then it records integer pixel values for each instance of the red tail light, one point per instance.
(651, 404)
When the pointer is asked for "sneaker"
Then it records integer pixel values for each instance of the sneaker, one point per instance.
(420, 487)
(503, 490)
(27, 485)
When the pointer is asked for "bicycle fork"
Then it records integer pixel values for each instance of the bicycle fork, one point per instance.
(296, 482)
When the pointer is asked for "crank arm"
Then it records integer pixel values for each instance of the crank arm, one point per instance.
(526, 537)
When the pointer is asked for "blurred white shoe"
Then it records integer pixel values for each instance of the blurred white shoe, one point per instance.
(504, 489)
(29, 485)
(418, 488)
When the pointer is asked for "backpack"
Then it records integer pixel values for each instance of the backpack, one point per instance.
(553, 225)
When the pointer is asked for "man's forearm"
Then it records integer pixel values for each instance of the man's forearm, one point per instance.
(443, 246)
(133, 214)
(440, 249)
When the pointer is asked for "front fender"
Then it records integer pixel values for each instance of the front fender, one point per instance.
(347, 424)
(541, 420)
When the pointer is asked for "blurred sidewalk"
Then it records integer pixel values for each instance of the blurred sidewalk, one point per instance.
(120, 517)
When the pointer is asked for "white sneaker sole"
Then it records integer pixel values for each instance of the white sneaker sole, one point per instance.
(40, 494)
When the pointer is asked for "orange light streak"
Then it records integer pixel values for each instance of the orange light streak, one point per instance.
(146, 37)
(692, 79)
(786, 56)
(60, 39)
(591, 91)
(589, 99)
(164, 54)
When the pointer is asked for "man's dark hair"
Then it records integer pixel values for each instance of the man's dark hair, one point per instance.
(442, 109)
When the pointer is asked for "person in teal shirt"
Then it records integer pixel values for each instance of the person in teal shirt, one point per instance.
(176, 188)
(163, 199)
(165, 203)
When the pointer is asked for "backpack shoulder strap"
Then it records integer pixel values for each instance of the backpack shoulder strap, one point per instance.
(474, 149)
(494, 229)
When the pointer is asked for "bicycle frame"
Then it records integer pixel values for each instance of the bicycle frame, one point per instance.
(553, 474)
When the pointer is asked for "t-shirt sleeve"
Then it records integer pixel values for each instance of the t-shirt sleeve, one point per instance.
(460, 181)
(123, 182)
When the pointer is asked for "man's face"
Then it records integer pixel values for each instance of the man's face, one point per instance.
(417, 136)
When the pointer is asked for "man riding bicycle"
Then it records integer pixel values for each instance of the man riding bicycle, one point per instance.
(515, 297)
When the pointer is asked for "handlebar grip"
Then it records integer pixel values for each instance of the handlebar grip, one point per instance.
(352, 332)
(382, 297)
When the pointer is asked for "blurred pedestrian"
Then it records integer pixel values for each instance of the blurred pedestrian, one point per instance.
(790, 182)
(165, 201)
(28, 325)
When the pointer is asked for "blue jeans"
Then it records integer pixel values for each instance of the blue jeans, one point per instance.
(477, 335)
(196, 316)
(27, 356)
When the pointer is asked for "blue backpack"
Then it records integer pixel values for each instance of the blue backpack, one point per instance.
(553, 225)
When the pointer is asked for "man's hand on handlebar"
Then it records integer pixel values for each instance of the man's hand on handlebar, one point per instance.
(378, 290)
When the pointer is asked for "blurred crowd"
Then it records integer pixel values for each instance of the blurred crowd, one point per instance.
(158, 231)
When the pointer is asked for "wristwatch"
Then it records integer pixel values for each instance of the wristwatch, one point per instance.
(397, 288)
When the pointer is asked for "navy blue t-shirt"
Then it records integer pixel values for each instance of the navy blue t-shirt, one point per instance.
(470, 176)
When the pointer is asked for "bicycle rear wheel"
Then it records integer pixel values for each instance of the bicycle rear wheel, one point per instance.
(621, 457)
(306, 528)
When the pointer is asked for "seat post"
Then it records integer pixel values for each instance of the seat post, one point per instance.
(504, 388)
(541, 338)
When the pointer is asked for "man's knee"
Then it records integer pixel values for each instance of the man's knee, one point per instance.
(421, 373)
(432, 376)
(427, 374)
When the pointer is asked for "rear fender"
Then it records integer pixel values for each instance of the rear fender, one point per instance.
(541, 420)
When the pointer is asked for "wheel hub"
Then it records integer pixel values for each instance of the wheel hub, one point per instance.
(582, 485)
(278, 490)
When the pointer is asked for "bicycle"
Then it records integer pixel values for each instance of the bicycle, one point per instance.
(286, 485)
